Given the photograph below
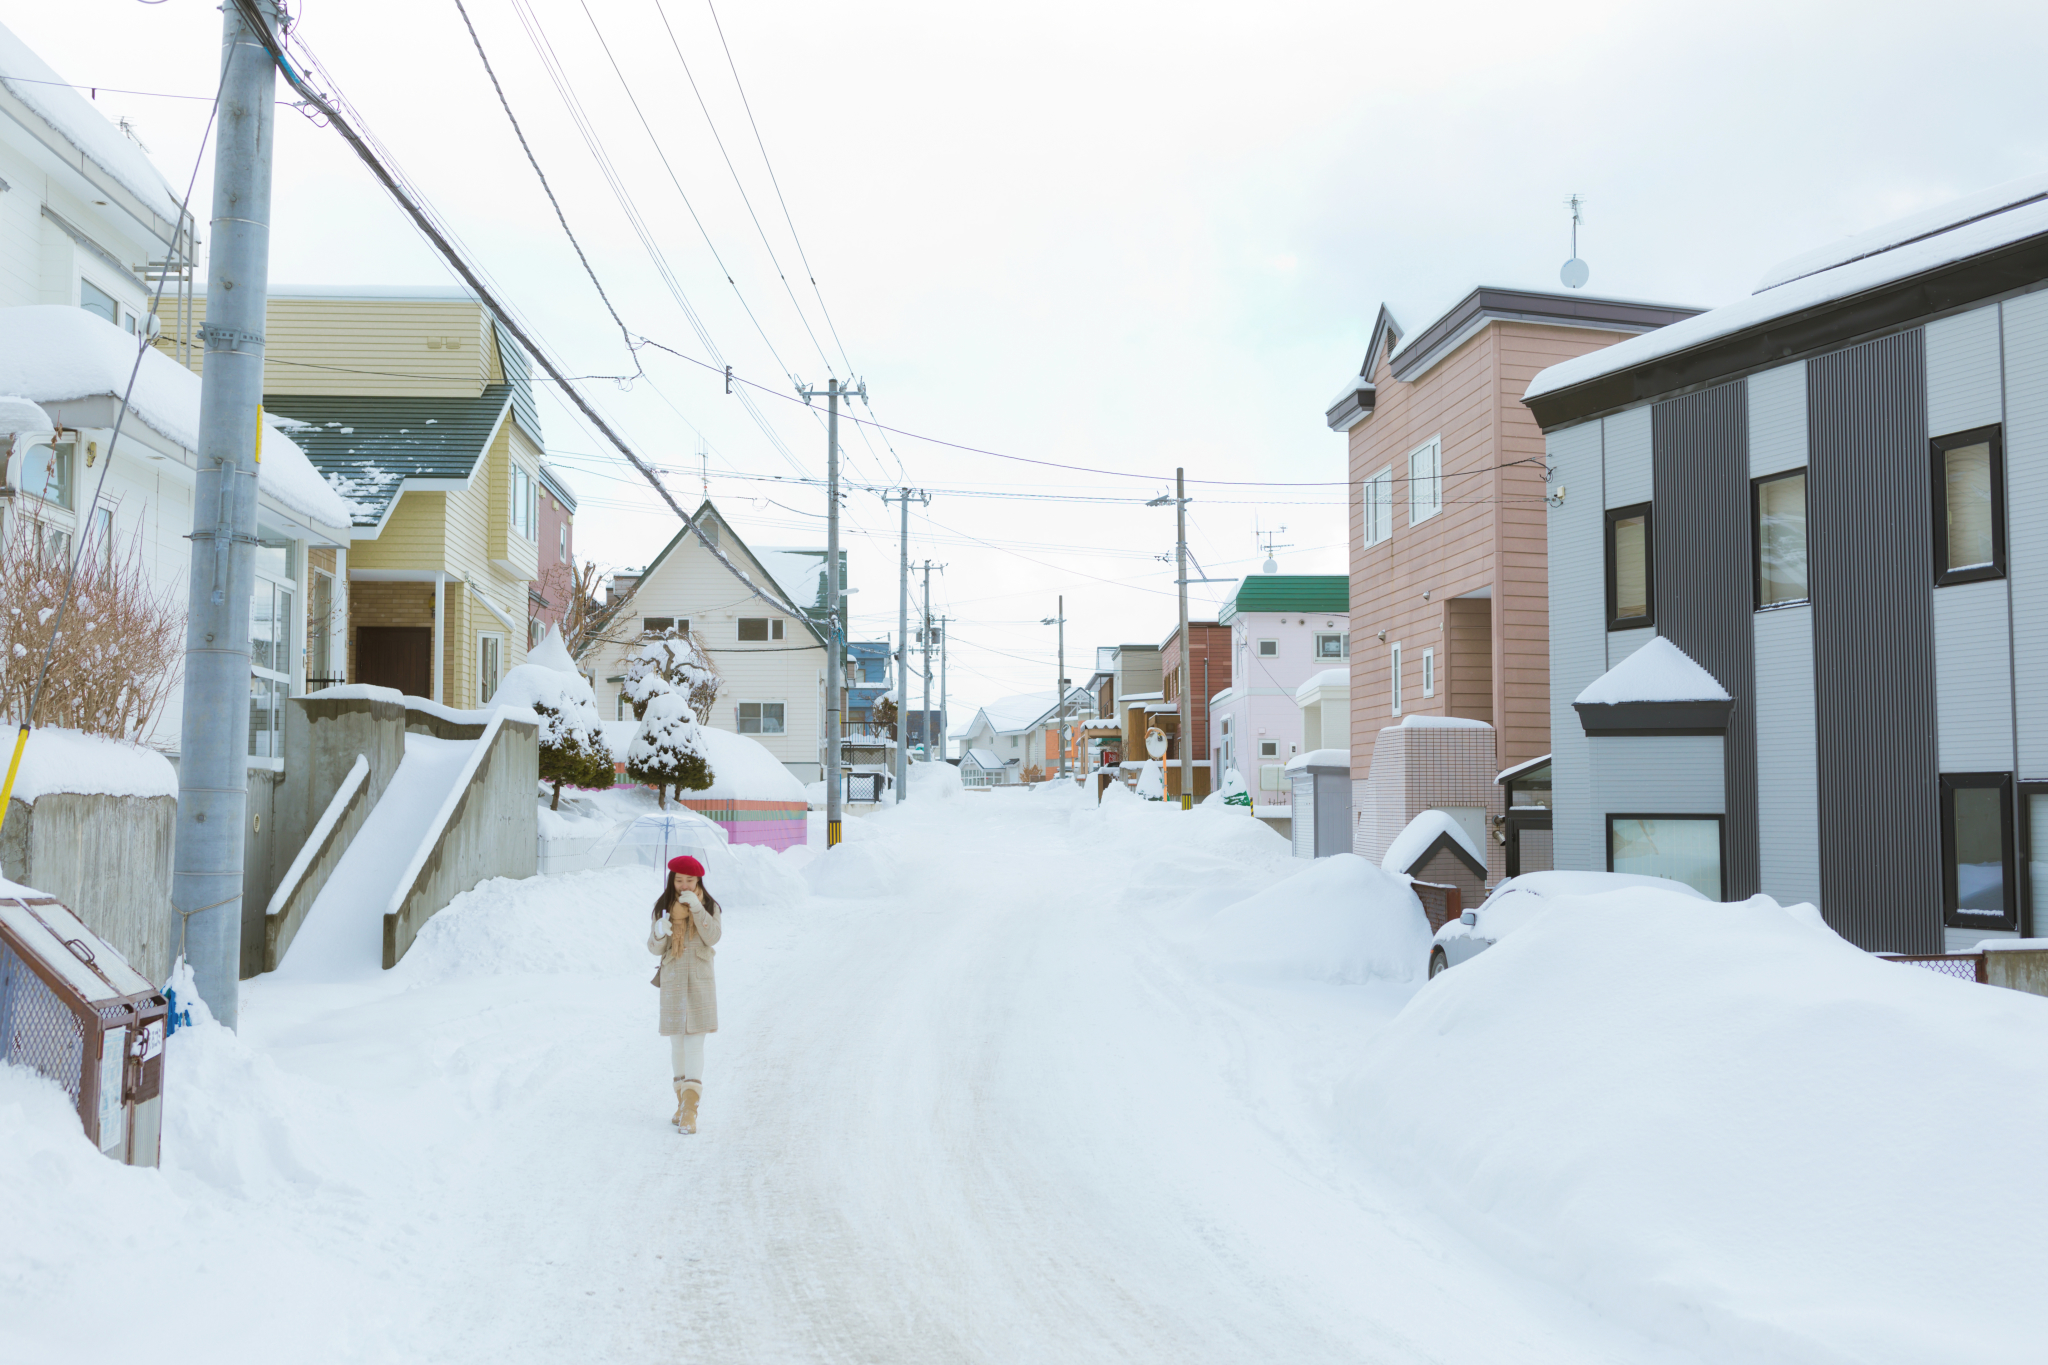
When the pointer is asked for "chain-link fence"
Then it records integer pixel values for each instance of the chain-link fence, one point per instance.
(1962, 966)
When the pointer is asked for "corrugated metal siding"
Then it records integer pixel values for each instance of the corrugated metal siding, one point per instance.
(1622, 643)
(1787, 797)
(1777, 420)
(1578, 633)
(1627, 459)
(1873, 638)
(1303, 827)
(1655, 775)
(2026, 486)
(1973, 677)
(1962, 372)
(1703, 586)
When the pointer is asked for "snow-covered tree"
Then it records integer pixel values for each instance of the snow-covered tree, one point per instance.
(669, 751)
(669, 662)
(573, 750)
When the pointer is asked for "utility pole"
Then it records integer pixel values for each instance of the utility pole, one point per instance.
(927, 721)
(943, 741)
(1187, 674)
(835, 604)
(1061, 621)
(213, 737)
(903, 499)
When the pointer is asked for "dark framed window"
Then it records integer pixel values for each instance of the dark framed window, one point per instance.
(1969, 506)
(1684, 848)
(1630, 589)
(657, 624)
(760, 628)
(1777, 504)
(1979, 872)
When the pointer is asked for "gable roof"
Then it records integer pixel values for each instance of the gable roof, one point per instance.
(367, 447)
(1354, 404)
(1305, 592)
(708, 515)
(519, 374)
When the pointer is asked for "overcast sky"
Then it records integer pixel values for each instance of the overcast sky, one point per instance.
(1123, 237)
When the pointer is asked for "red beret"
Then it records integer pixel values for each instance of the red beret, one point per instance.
(686, 864)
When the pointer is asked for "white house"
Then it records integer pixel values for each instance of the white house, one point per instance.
(1023, 732)
(1284, 630)
(773, 661)
(86, 224)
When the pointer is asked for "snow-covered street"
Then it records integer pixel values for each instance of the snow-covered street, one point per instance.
(1006, 1077)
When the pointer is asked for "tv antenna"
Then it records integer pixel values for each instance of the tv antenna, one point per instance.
(1269, 542)
(1575, 272)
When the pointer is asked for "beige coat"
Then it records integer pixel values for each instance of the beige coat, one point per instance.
(689, 995)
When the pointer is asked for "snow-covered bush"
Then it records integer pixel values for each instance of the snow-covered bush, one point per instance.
(572, 745)
(669, 751)
(669, 662)
(1152, 781)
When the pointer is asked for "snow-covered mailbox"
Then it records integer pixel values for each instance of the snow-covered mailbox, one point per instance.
(73, 1010)
(1321, 799)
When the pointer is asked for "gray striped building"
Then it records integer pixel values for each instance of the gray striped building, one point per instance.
(1822, 494)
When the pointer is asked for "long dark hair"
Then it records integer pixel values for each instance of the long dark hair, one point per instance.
(667, 898)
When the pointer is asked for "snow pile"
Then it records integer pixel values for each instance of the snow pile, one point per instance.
(1729, 1128)
(74, 118)
(1320, 758)
(570, 714)
(1659, 671)
(1151, 780)
(742, 769)
(50, 353)
(578, 923)
(58, 760)
(940, 781)
(18, 415)
(1339, 920)
(551, 653)
(1425, 829)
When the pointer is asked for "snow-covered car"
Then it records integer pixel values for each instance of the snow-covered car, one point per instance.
(1519, 899)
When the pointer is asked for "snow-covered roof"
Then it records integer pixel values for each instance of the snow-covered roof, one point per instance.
(800, 573)
(1659, 671)
(1895, 252)
(52, 353)
(1320, 758)
(1421, 722)
(1009, 715)
(1329, 677)
(74, 118)
(1505, 773)
(1425, 829)
(984, 758)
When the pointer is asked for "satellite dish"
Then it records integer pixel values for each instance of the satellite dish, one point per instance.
(1575, 274)
(1272, 566)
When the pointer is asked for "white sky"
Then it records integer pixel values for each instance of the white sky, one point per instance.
(1117, 236)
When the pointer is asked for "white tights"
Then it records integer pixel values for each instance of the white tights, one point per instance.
(686, 1051)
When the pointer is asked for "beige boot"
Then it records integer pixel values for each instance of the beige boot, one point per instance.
(686, 1117)
(677, 1120)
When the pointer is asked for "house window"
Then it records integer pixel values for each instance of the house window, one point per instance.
(525, 504)
(1969, 506)
(98, 302)
(654, 625)
(1628, 567)
(490, 655)
(564, 529)
(760, 628)
(760, 717)
(1269, 649)
(46, 471)
(1333, 646)
(103, 538)
(1269, 748)
(1426, 481)
(320, 631)
(1378, 512)
(1394, 653)
(1979, 884)
(1429, 672)
(270, 650)
(1778, 504)
(1684, 848)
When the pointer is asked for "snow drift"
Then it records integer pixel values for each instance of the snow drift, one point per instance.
(1339, 920)
(1730, 1127)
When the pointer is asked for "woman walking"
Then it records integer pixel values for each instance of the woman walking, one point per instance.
(686, 925)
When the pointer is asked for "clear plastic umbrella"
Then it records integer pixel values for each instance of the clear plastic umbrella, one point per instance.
(651, 840)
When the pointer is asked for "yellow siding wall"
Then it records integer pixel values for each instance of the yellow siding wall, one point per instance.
(427, 348)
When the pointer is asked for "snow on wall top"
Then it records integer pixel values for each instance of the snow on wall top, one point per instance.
(1910, 257)
(71, 761)
(1329, 677)
(51, 353)
(1320, 758)
(72, 116)
(1659, 671)
(1423, 831)
(1421, 722)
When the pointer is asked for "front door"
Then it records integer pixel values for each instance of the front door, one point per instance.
(396, 656)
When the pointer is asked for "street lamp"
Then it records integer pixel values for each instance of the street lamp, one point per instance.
(1061, 621)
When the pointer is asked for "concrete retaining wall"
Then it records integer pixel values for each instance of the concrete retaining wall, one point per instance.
(108, 858)
(488, 833)
(290, 902)
(2018, 969)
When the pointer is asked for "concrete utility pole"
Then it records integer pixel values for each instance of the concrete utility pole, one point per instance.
(213, 738)
(944, 742)
(927, 720)
(1187, 710)
(1060, 620)
(903, 498)
(835, 605)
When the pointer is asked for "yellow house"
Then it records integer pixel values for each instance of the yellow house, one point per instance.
(418, 409)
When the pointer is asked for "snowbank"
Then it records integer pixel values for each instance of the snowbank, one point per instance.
(58, 760)
(50, 353)
(742, 769)
(1659, 671)
(1425, 829)
(1734, 1130)
(1339, 920)
(939, 781)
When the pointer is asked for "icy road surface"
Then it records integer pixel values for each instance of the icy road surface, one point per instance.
(988, 1103)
